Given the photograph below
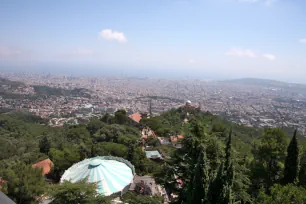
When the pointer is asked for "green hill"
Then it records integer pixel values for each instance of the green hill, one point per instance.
(245, 167)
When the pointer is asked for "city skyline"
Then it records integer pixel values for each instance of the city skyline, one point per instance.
(221, 39)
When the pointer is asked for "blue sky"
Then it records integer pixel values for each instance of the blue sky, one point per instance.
(208, 39)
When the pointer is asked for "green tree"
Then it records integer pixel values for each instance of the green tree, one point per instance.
(292, 163)
(200, 182)
(131, 152)
(79, 192)
(24, 183)
(229, 171)
(128, 139)
(221, 188)
(44, 144)
(111, 149)
(78, 134)
(63, 159)
(269, 152)
(133, 198)
(216, 187)
(279, 194)
(94, 125)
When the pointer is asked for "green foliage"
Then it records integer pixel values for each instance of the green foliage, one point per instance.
(227, 171)
(133, 198)
(24, 183)
(79, 192)
(63, 159)
(200, 182)
(152, 142)
(19, 138)
(128, 139)
(94, 125)
(111, 133)
(110, 148)
(142, 165)
(44, 144)
(282, 195)
(169, 123)
(78, 134)
(269, 153)
(292, 163)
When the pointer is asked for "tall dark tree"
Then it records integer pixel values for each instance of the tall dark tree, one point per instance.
(44, 144)
(215, 189)
(221, 189)
(150, 108)
(228, 172)
(200, 182)
(292, 163)
(228, 152)
(131, 152)
(92, 151)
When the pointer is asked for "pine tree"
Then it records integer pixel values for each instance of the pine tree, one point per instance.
(200, 182)
(292, 163)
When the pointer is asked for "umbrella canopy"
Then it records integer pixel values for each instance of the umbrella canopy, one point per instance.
(111, 174)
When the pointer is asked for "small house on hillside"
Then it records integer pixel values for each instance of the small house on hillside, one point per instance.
(136, 117)
(153, 155)
(146, 185)
(46, 166)
(176, 140)
(163, 140)
(2, 182)
(146, 133)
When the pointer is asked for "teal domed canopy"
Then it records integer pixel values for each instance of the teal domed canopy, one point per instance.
(112, 174)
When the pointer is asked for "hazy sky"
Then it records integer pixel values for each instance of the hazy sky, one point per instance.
(181, 38)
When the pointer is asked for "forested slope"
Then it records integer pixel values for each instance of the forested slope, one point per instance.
(221, 161)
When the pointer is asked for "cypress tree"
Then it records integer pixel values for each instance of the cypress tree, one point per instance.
(228, 152)
(44, 144)
(221, 191)
(228, 172)
(215, 189)
(228, 198)
(200, 182)
(131, 151)
(292, 163)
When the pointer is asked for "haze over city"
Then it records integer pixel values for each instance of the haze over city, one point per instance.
(212, 39)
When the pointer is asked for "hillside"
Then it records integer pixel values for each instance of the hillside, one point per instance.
(16, 90)
(51, 91)
(265, 83)
(26, 139)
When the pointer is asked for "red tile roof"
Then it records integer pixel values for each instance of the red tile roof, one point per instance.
(46, 166)
(174, 139)
(136, 117)
(2, 181)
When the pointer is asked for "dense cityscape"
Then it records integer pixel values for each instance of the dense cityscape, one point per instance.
(251, 102)
(153, 102)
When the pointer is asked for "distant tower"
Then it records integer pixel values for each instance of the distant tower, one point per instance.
(150, 108)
